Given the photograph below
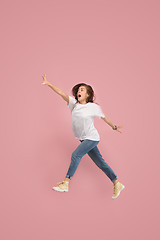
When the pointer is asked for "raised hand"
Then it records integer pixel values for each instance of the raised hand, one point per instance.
(45, 82)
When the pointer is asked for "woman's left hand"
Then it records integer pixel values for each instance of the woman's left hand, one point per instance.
(118, 128)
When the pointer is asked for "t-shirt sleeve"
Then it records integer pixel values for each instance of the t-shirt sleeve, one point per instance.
(98, 111)
(71, 103)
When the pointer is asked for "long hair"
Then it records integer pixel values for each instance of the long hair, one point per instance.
(89, 91)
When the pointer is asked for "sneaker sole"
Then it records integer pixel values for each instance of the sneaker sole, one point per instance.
(59, 190)
(119, 192)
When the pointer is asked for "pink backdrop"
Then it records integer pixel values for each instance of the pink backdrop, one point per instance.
(114, 47)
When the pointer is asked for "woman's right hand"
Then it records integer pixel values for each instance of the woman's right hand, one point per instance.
(45, 82)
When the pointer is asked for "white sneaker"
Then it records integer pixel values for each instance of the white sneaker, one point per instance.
(62, 186)
(117, 188)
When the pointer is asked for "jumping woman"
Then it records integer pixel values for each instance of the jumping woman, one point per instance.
(83, 111)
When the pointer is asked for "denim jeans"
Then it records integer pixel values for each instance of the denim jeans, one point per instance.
(90, 147)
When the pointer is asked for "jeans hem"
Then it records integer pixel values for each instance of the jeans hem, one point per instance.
(67, 176)
(114, 179)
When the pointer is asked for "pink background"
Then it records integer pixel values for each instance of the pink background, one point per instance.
(114, 47)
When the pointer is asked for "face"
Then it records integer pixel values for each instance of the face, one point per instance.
(82, 95)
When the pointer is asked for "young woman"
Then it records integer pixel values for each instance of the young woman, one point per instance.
(83, 111)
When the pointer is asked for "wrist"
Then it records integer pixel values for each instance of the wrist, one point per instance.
(114, 127)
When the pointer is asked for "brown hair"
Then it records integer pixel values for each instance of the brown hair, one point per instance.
(89, 91)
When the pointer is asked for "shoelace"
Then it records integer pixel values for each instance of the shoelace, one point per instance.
(61, 183)
(115, 188)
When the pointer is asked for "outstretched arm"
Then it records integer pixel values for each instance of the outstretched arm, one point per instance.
(56, 89)
(108, 121)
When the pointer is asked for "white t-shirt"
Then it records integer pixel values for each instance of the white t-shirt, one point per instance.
(83, 119)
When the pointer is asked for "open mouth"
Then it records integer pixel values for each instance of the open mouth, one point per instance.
(79, 95)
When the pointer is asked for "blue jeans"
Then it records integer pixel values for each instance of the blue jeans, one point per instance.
(90, 147)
